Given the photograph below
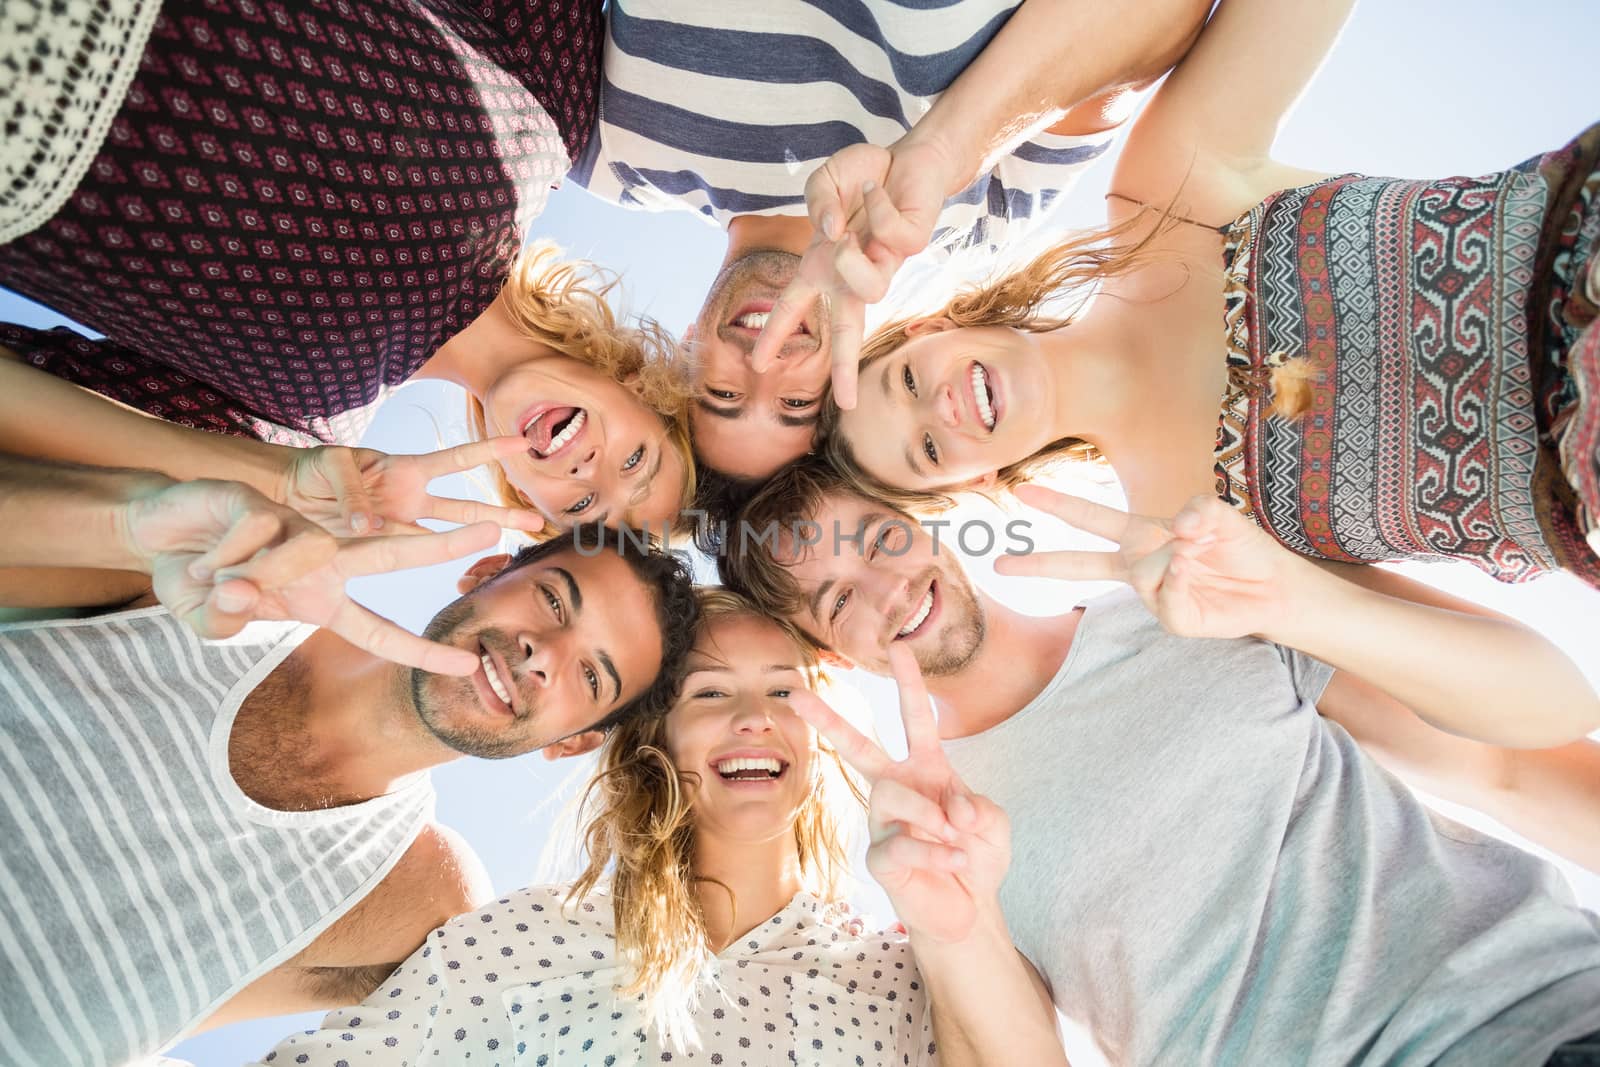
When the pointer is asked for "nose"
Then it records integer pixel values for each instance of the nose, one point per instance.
(583, 465)
(752, 716)
(541, 657)
(947, 407)
(886, 591)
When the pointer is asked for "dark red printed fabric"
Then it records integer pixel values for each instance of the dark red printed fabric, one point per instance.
(298, 202)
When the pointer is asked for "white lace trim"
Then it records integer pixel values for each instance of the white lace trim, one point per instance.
(65, 66)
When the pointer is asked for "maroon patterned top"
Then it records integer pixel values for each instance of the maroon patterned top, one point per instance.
(297, 203)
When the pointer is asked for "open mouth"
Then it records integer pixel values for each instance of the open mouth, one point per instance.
(551, 429)
(983, 396)
(919, 618)
(754, 317)
(750, 768)
(497, 683)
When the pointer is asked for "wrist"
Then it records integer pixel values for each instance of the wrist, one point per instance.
(1305, 598)
(134, 496)
(935, 146)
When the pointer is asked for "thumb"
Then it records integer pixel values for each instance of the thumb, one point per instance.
(350, 489)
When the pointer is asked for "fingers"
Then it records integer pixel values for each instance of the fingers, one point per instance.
(355, 506)
(465, 457)
(1086, 515)
(229, 606)
(885, 223)
(824, 204)
(916, 710)
(380, 555)
(896, 804)
(866, 278)
(899, 853)
(847, 325)
(853, 747)
(249, 534)
(784, 318)
(308, 549)
(466, 512)
(1202, 519)
(1147, 575)
(1065, 564)
(383, 638)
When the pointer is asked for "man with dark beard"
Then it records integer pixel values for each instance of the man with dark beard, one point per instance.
(196, 832)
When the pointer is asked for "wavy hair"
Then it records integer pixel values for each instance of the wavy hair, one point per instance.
(1072, 269)
(563, 304)
(637, 822)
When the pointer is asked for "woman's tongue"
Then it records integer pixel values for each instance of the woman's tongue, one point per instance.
(543, 429)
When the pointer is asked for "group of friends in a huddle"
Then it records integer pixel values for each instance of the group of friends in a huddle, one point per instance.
(1180, 814)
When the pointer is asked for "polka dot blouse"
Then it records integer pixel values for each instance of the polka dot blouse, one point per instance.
(526, 982)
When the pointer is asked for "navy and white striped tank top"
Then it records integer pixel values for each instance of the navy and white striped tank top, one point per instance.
(139, 887)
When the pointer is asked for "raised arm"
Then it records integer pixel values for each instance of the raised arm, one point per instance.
(1209, 573)
(1551, 796)
(940, 852)
(1210, 128)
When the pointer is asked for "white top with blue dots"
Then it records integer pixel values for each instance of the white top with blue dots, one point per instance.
(528, 983)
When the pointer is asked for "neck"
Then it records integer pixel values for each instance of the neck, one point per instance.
(1089, 383)
(484, 350)
(761, 233)
(1018, 657)
(764, 876)
(352, 734)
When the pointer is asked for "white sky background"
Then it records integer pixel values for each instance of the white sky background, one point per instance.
(1415, 88)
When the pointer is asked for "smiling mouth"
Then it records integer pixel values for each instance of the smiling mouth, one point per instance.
(552, 430)
(983, 396)
(919, 618)
(751, 769)
(498, 684)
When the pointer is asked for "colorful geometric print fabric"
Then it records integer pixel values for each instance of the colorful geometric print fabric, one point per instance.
(1416, 305)
(296, 204)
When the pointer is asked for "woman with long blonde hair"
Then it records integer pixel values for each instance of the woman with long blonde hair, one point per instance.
(711, 913)
(1369, 368)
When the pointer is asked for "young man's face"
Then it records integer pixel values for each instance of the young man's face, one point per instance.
(893, 587)
(563, 642)
(746, 424)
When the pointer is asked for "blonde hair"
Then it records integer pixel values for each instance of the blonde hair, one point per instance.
(1016, 300)
(637, 820)
(562, 304)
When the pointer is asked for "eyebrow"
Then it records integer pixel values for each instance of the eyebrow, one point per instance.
(572, 589)
(816, 599)
(911, 461)
(722, 413)
(884, 381)
(611, 669)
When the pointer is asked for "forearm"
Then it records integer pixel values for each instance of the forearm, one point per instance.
(1486, 678)
(1552, 797)
(64, 515)
(986, 1009)
(1049, 57)
(44, 416)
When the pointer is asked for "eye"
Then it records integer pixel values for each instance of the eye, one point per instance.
(838, 605)
(581, 506)
(555, 604)
(635, 459)
(709, 694)
(905, 377)
(928, 449)
(594, 681)
(723, 394)
(781, 694)
(798, 403)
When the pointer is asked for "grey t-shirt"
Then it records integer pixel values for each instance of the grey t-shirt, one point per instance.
(1207, 871)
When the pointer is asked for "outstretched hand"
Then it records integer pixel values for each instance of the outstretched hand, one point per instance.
(871, 208)
(939, 850)
(221, 555)
(360, 491)
(1206, 572)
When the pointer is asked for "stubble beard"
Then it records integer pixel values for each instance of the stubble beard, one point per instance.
(433, 694)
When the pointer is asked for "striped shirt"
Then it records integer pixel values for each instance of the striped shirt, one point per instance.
(727, 108)
(139, 887)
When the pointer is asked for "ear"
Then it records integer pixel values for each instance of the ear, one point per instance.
(576, 745)
(983, 482)
(936, 324)
(481, 571)
(690, 332)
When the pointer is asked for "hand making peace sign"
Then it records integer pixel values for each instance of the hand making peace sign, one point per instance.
(939, 850)
(358, 491)
(1206, 572)
(220, 555)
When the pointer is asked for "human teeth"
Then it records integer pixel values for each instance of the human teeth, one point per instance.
(494, 680)
(980, 393)
(747, 763)
(921, 615)
(573, 426)
(753, 320)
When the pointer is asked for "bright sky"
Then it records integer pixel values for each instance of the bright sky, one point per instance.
(1415, 88)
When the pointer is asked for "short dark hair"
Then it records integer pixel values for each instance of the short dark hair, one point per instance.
(792, 495)
(666, 575)
(719, 497)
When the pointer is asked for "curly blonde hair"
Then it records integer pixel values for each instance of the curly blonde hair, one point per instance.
(563, 304)
(1073, 268)
(637, 821)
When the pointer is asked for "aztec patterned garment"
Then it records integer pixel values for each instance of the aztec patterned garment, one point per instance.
(530, 982)
(296, 204)
(1455, 367)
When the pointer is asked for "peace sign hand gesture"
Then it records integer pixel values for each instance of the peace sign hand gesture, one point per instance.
(359, 491)
(939, 850)
(220, 555)
(1207, 572)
